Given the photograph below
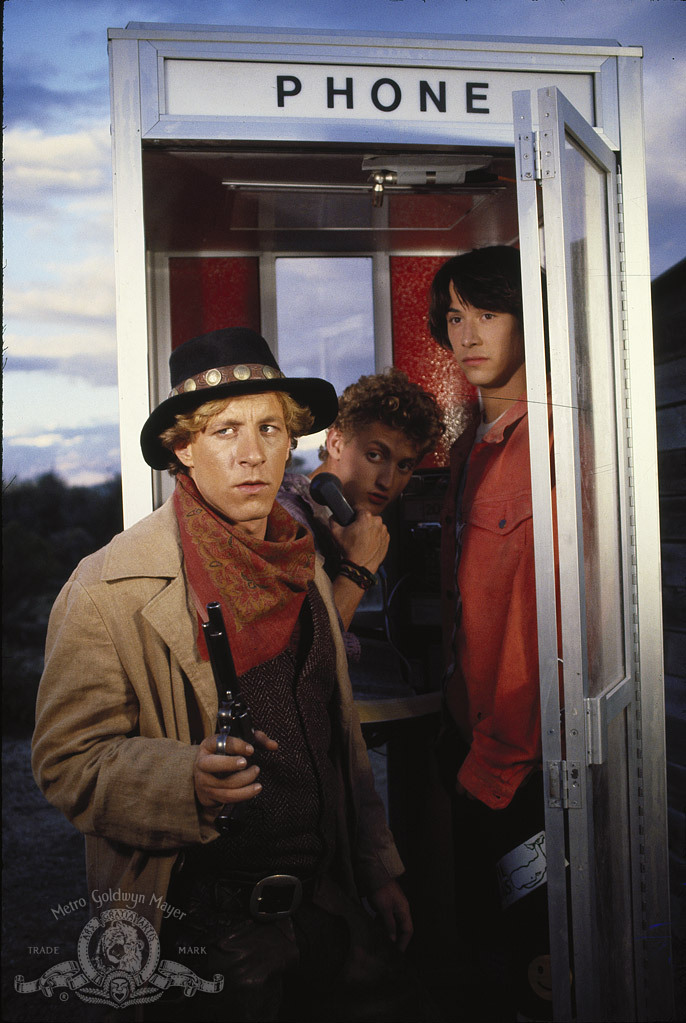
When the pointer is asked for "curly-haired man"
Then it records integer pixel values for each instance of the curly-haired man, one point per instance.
(385, 426)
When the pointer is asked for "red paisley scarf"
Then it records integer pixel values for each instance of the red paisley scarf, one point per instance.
(260, 584)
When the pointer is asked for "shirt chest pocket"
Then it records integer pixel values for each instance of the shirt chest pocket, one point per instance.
(506, 523)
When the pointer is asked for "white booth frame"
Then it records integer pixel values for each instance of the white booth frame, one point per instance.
(137, 60)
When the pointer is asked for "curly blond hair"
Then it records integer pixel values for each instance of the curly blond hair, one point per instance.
(298, 420)
(393, 399)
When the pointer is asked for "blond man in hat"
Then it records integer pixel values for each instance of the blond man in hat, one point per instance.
(125, 741)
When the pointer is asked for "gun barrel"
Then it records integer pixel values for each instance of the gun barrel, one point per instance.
(221, 659)
(233, 716)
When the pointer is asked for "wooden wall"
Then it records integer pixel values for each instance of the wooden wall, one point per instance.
(669, 332)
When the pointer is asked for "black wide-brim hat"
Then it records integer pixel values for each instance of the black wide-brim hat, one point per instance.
(226, 364)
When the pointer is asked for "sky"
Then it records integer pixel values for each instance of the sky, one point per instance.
(60, 410)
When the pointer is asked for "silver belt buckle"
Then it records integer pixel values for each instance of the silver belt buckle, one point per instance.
(261, 900)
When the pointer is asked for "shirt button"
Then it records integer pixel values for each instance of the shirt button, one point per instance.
(502, 523)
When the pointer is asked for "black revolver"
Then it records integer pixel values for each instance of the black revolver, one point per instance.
(233, 716)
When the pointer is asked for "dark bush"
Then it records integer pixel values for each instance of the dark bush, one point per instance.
(48, 527)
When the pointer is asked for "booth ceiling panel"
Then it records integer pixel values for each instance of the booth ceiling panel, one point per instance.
(188, 209)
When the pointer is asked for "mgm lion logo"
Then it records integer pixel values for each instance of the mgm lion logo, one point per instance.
(119, 965)
(120, 947)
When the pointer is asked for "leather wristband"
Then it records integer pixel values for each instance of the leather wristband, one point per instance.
(362, 577)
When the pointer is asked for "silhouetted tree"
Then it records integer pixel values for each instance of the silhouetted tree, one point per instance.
(48, 527)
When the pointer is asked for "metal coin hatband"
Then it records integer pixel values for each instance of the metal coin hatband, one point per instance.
(226, 375)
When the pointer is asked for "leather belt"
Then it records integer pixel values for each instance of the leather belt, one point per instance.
(271, 897)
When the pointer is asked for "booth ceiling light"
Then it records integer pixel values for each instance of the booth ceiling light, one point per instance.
(378, 184)
(415, 172)
(397, 174)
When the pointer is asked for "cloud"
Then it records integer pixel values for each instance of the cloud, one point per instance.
(665, 167)
(40, 167)
(82, 293)
(40, 440)
(65, 325)
(47, 440)
(55, 342)
(358, 325)
(82, 457)
(30, 100)
(85, 477)
(665, 100)
(99, 371)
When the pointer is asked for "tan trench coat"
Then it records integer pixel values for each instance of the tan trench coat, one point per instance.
(112, 746)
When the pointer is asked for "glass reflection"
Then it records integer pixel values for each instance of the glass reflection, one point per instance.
(325, 322)
(588, 260)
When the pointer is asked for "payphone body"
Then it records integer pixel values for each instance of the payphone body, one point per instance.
(309, 185)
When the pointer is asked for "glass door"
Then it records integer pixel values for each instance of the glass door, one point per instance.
(568, 208)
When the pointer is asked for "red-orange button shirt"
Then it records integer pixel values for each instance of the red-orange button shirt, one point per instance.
(493, 691)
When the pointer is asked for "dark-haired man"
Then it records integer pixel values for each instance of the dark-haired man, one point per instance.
(491, 746)
(124, 741)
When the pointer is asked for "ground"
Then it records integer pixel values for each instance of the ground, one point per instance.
(43, 870)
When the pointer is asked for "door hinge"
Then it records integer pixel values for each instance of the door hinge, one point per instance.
(546, 155)
(564, 784)
(536, 155)
(529, 169)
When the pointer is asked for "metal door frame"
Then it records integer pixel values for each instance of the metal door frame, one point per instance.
(570, 751)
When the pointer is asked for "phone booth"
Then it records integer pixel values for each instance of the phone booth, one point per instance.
(309, 185)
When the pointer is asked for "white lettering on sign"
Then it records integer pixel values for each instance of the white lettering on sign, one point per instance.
(226, 88)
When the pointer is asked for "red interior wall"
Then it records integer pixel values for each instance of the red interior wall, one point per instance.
(414, 350)
(210, 292)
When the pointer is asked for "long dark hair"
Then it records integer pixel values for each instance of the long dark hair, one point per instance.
(487, 278)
